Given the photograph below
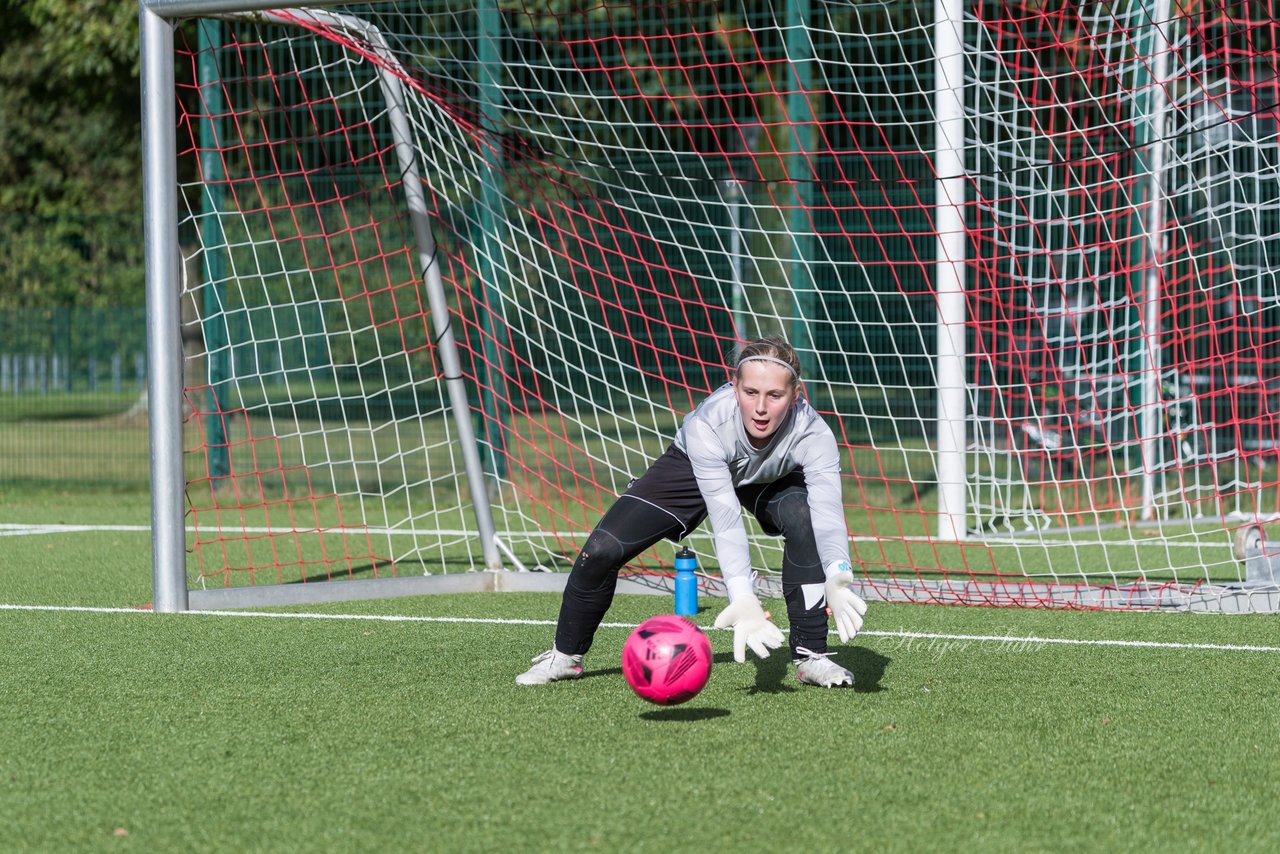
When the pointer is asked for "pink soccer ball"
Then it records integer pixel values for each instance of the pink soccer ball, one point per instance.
(666, 660)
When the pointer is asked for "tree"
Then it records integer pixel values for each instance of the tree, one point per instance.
(70, 153)
(69, 126)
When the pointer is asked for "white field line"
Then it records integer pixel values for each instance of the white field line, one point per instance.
(1023, 642)
(20, 529)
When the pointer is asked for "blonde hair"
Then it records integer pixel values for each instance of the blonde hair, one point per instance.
(769, 349)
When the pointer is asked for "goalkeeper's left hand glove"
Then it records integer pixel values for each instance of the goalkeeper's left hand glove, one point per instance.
(751, 628)
(846, 607)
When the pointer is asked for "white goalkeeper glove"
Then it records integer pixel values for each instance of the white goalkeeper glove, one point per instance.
(751, 628)
(846, 607)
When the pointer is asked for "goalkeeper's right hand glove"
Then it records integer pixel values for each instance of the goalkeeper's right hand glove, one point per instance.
(751, 628)
(845, 606)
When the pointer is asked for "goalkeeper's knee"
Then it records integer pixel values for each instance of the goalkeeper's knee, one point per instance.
(792, 516)
(598, 563)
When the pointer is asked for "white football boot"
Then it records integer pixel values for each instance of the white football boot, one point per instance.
(817, 668)
(551, 666)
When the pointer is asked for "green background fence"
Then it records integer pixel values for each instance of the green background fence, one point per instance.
(72, 352)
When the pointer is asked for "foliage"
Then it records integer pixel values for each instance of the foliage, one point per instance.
(69, 153)
(70, 138)
(70, 259)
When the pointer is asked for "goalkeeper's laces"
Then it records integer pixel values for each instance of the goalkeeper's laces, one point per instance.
(803, 653)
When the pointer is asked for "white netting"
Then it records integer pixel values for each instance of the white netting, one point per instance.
(618, 194)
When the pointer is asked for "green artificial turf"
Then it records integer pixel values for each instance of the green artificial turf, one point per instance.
(220, 732)
(396, 724)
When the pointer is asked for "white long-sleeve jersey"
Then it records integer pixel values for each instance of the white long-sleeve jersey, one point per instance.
(715, 440)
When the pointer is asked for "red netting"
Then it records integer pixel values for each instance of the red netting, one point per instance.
(619, 193)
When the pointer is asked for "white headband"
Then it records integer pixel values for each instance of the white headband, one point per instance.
(776, 361)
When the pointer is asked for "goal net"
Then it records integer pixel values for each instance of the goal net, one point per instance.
(454, 272)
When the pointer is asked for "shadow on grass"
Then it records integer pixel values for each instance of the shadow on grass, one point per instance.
(352, 573)
(775, 675)
(684, 713)
(381, 569)
(771, 672)
(868, 668)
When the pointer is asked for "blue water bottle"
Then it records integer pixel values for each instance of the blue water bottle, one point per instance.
(686, 582)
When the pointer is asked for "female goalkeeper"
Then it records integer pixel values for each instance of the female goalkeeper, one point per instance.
(754, 443)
